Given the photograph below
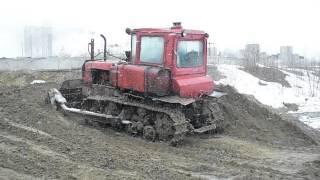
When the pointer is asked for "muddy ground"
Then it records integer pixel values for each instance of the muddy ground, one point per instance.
(38, 142)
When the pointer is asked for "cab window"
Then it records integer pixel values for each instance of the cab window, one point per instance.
(189, 54)
(133, 47)
(152, 48)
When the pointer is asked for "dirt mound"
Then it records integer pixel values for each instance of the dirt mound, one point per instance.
(268, 74)
(38, 142)
(245, 117)
(23, 78)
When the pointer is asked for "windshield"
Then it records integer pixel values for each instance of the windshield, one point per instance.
(190, 53)
(152, 49)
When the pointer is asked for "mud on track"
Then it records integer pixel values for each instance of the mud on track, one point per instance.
(36, 141)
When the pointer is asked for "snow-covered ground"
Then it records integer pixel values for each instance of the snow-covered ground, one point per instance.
(304, 91)
(38, 82)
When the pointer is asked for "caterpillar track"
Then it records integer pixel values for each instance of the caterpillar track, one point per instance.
(142, 116)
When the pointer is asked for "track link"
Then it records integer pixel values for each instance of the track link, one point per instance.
(180, 124)
(169, 122)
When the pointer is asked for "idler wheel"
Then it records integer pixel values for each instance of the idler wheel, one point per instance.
(149, 133)
(164, 127)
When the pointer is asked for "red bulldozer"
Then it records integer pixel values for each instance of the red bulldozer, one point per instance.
(160, 91)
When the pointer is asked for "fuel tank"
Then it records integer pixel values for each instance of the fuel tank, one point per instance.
(144, 79)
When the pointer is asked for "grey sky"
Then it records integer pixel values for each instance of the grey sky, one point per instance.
(230, 23)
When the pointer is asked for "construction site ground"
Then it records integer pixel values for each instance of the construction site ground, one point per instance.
(38, 142)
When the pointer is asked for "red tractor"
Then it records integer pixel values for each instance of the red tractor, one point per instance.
(161, 91)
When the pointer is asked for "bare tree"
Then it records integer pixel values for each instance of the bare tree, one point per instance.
(313, 76)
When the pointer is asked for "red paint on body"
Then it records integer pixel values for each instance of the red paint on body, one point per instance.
(158, 78)
(131, 77)
(193, 86)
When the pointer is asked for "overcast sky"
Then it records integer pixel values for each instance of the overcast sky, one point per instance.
(230, 23)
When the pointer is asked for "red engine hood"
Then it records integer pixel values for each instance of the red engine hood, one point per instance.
(193, 86)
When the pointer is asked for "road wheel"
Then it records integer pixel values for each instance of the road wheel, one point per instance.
(149, 133)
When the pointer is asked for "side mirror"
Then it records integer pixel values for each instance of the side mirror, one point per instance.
(128, 31)
(128, 55)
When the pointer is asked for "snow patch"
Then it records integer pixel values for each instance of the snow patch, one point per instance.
(303, 91)
(38, 82)
(313, 122)
(272, 94)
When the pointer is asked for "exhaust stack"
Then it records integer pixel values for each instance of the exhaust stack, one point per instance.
(176, 25)
(91, 44)
(104, 47)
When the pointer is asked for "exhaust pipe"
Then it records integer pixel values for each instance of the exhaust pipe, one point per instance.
(56, 98)
(91, 52)
(105, 47)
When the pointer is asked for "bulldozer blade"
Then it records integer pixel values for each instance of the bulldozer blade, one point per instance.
(205, 129)
(56, 98)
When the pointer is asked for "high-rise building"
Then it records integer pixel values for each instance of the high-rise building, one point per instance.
(212, 50)
(37, 41)
(252, 54)
(286, 53)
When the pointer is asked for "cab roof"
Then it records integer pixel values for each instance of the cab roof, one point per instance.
(176, 28)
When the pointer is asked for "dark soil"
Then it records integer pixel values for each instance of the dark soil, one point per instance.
(247, 118)
(23, 78)
(268, 74)
(298, 73)
(36, 141)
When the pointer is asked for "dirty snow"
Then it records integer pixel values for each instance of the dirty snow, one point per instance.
(303, 92)
(38, 82)
(311, 121)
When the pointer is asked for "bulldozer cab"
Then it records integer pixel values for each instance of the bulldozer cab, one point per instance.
(180, 50)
